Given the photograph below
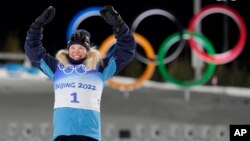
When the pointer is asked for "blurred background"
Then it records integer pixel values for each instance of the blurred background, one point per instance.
(157, 109)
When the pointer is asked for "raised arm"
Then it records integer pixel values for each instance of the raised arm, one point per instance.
(33, 44)
(123, 52)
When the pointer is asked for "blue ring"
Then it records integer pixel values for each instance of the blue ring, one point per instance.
(80, 17)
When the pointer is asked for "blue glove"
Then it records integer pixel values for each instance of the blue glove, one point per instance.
(112, 17)
(46, 17)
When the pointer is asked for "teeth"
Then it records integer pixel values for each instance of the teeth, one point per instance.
(76, 56)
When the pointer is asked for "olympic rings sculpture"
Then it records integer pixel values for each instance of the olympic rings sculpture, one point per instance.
(196, 41)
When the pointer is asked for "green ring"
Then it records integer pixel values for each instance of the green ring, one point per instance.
(168, 42)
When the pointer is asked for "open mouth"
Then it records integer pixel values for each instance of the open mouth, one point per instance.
(77, 57)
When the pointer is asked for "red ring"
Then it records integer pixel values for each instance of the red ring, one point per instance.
(225, 57)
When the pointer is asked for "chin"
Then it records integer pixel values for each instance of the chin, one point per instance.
(76, 59)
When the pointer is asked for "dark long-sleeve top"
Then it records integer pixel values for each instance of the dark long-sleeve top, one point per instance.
(122, 53)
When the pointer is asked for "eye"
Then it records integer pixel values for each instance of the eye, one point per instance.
(72, 47)
(82, 48)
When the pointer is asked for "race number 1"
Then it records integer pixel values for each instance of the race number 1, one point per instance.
(74, 98)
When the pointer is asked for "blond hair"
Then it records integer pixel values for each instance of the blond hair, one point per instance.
(92, 59)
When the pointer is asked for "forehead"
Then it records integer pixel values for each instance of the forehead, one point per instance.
(76, 46)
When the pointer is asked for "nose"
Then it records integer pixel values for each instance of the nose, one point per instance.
(76, 50)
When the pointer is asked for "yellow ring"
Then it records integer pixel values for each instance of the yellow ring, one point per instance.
(147, 47)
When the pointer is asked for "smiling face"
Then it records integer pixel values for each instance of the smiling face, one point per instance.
(77, 52)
